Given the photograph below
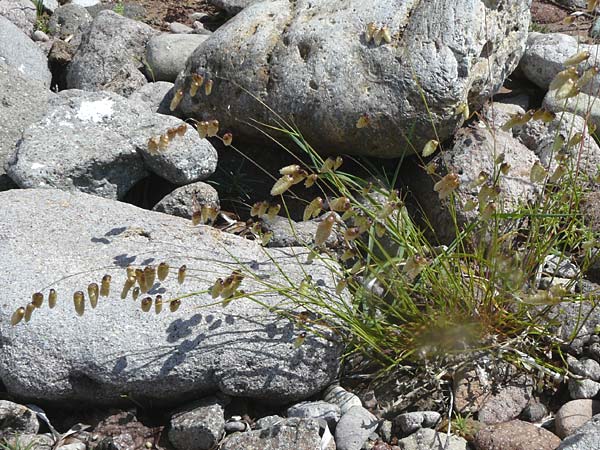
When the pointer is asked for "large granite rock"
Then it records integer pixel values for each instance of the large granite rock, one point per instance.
(20, 12)
(97, 142)
(17, 50)
(310, 62)
(111, 55)
(24, 102)
(61, 240)
(166, 54)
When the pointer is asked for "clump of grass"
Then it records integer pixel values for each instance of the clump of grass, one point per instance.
(401, 298)
(42, 17)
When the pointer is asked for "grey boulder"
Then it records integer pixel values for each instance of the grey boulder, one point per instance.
(328, 412)
(197, 426)
(19, 51)
(428, 439)
(22, 13)
(574, 414)
(155, 96)
(69, 19)
(354, 428)
(24, 101)
(166, 54)
(61, 240)
(585, 437)
(232, 7)
(180, 202)
(17, 418)
(111, 55)
(310, 62)
(97, 142)
(545, 55)
(289, 434)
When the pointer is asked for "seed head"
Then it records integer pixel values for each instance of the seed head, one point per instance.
(174, 305)
(146, 304)
(176, 100)
(202, 128)
(282, 185)
(162, 271)
(129, 283)
(340, 204)
(17, 316)
(181, 130)
(135, 293)
(158, 304)
(213, 128)
(93, 294)
(163, 141)
(217, 288)
(310, 180)
(538, 173)
(227, 139)
(363, 121)
(172, 133)
(351, 233)
(290, 170)
(28, 311)
(208, 87)
(153, 145)
(79, 302)
(577, 58)
(446, 185)
(259, 209)
(105, 286)
(181, 274)
(37, 299)
(300, 339)
(273, 210)
(370, 32)
(324, 229)
(313, 209)
(150, 273)
(52, 297)
(430, 148)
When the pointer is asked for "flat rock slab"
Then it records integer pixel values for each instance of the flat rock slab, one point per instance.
(97, 143)
(310, 62)
(24, 102)
(61, 240)
(111, 55)
(17, 50)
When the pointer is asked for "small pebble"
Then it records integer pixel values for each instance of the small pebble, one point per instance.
(40, 36)
(179, 28)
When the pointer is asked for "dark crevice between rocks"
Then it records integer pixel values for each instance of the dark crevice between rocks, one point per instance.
(149, 191)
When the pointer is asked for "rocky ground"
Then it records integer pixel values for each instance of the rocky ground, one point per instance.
(103, 168)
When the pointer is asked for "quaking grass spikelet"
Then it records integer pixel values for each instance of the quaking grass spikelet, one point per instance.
(135, 293)
(208, 87)
(227, 139)
(150, 273)
(28, 311)
(52, 297)
(181, 273)
(174, 305)
(212, 128)
(79, 302)
(176, 100)
(93, 294)
(105, 286)
(141, 280)
(129, 283)
(324, 229)
(37, 299)
(17, 316)
(158, 304)
(146, 304)
(162, 271)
